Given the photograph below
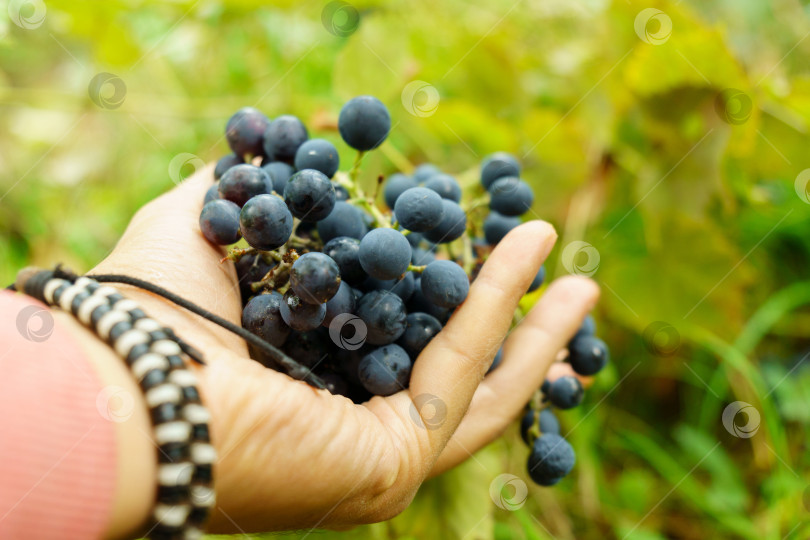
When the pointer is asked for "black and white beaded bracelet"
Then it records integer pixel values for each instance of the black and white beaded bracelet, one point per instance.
(157, 360)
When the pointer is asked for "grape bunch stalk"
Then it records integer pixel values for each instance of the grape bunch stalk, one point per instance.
(354, 291)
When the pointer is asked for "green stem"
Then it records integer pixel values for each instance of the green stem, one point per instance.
(417, 269)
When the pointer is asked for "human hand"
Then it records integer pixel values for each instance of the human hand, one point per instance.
(293, 457)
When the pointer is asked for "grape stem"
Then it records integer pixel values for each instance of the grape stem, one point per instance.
(235, 254)
(417, 269)
(357, 196)
(537, 405)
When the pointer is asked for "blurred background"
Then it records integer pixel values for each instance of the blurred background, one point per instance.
(666, 140)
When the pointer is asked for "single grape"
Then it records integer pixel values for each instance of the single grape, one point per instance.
(445, 185)
(343, 302)
(496, 226)
(418, 302)
(395, 186)
(383, 313)
(566, 392)
(421, 257)
(424, 171)
(588, 328)
(364, 123)
(510, 196)
(225, 163)
(538, 280)
(318, 154)
(419, 209)
(283, 137)
(588, 355)
(245, 132)
(548, 423)
(314, 277)
(414, 238)
(445, 284)
(401, 287)
(496, 361)
(249, 269)
(219, 222)
(385, 370)
(419, 330)
(343, 220)
(212, 194)
(279, 173)
(345, 251)
(299, 315)
(265, 222)
(496, 166)
(308, 348)
(336, 384)
(551, 458)
(241, 183)
(385, 253)
(309, 195)
(452, 226)
(341, 194)
(261, 316)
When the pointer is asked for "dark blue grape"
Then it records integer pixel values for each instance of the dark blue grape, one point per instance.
(279, 173)
(225, 163)
(496, 226)
(414, 239)
(551, 458)
(385, 253)
(445, 185)
(265, 222)
(243, 182)
(345, 251)
(309, 195)
(343, 302)
(245, 132)
(219, 222)
(299, 315)
(314, 277)
(384, 315)
(452, 226)
(419, 209)
(364, 123)
(308, 348)
(420, 329)
(421, 257)
(418, 302)
(498, 165)
(212, 194)
(548, 423)
(395, 186)
(249, 269)
(318, 154)
(262, 317)
(336, 384)
(283, 137)
(510, 196)
(566, 392)
(538, 280)
(588, 328)
(401, 287)
(424, 171)
(445, 284)
(588, 355)
(343, 220)
(341, 194)
(496, 361)
(385, 370)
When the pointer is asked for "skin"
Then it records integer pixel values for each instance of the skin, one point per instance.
(292, 457)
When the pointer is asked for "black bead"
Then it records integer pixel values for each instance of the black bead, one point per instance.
(157, 335)
(200, 433)
(98, 313)
(165, 412)
(173, 494)
(152, 378)
(173, 452)
(136, 352)
(203, 474)
(197, 516)
(190, 394)
(78, 300)
(92, 286)
(162, 532)
(176, 361)
(57, 294)
(114, 297)
(136, 314)
(118, 329)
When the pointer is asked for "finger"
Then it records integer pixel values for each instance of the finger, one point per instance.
(453, 364)
(529, 356)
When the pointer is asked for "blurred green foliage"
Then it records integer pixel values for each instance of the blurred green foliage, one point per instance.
(674, 153)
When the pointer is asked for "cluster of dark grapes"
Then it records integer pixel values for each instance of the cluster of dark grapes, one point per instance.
(352, 291)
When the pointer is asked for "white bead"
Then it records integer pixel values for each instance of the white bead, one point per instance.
(202, 496)
(183, 377)
(163, 393)
(171, 516)
(104, 291)
(175, 474)
(148, 362)
(172, 432)
(84, 281)
(50, 288)
(108, 320)
(166, 347)
(147, 325)
(203, 453)
(87, 307)
(67, 297)
(192, 533)
(129, 339)
(196, 414)
(125, 304)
